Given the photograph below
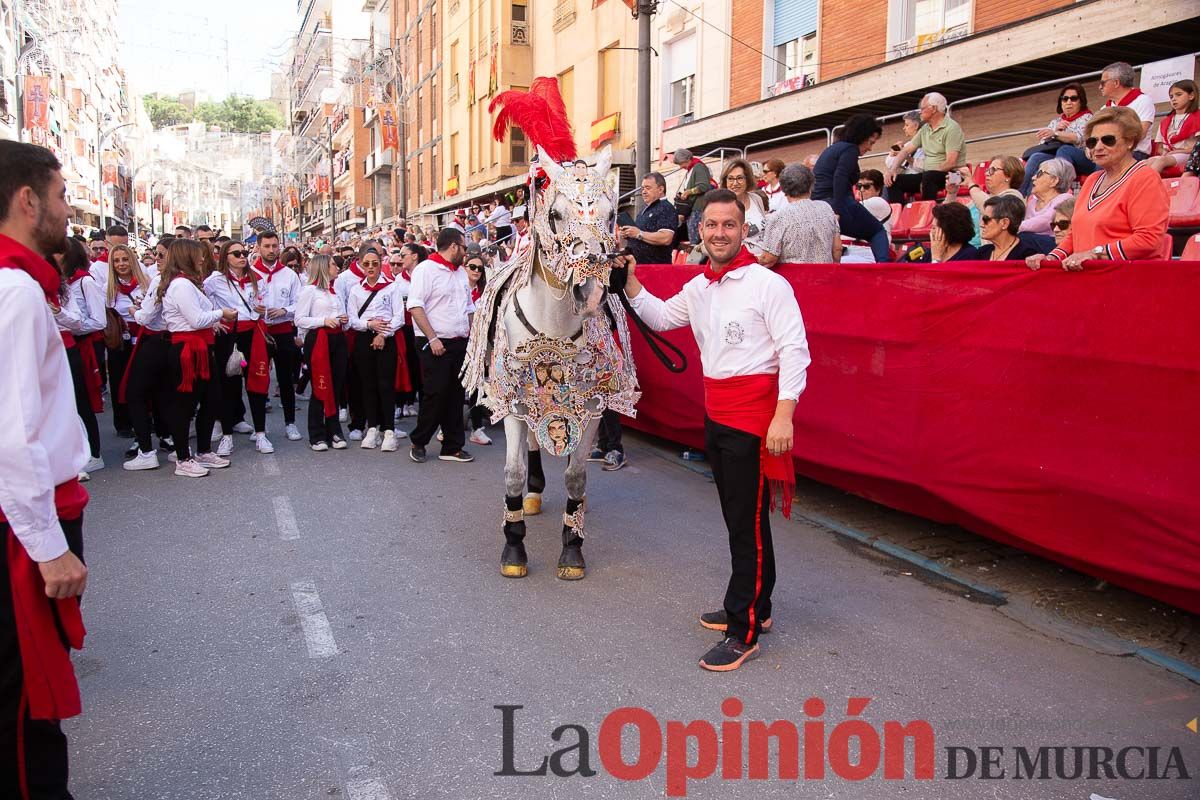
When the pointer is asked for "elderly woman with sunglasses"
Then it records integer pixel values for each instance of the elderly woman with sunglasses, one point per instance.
(1050, 190)
(1002, 176)
(1000, 225)
(1124, 213)
(1065, 129)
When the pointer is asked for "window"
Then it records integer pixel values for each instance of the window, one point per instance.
(799, 57)
(418, 110)
(520, 24)
(518, 12)
(566, 87)
(519, 153)
(433, 102)
(680, 70)
(916, 25)
(610, 81)
(420, 177)
(434, 183)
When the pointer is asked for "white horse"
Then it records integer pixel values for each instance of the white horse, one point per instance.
(549, 351)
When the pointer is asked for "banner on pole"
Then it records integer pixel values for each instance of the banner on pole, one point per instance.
(391, 128)
(37, 102)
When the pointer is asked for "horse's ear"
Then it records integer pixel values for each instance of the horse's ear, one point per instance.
(604, 162)
(552, 167)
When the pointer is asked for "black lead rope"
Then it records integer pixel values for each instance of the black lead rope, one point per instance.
(655, 339)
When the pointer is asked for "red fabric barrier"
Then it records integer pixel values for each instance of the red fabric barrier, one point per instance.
(1053, 411)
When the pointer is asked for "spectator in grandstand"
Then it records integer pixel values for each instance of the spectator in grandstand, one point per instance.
(1065, 129)
(649, 237)
(1177, 132)
(1050, 190)
(1125, 214)
(805, 231)
(945, 149)
(738, 178)
(870, 189)
(914, 163)
(1062, 220)
(1002, 176)
(836, 176)
(1192, 167)
(1117, 86)
(1000, 225)
(776, 199)
(689, 201)
(949, 237)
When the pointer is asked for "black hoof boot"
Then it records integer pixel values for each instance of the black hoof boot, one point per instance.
(571, 566)
(513, 561)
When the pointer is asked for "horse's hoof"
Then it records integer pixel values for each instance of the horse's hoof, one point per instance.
(570, 573)
(532, 505)
(514, 570)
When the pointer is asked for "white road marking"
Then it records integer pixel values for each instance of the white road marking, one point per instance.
(285, 518)
(367, 789)
(270, 466)
(318, 636)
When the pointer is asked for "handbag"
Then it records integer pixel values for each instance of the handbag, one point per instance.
(233, 367)
(114, 330)
(1049, 147)
(270, 340)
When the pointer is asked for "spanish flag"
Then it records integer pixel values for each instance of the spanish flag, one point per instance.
(605, 129)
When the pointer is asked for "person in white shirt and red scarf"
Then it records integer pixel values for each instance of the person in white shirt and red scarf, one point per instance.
(42, 450)
(279, 290)
(754, 354)
(375, 312)
(439, 302)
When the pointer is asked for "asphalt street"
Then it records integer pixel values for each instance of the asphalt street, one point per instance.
(334, 625)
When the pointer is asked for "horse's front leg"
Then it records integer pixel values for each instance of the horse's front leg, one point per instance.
(537, 478)
(571, 566)
(513, 561)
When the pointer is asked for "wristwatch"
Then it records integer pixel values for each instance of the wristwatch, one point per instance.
(1098, 251)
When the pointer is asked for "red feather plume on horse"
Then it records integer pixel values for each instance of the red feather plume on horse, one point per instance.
(540, 113)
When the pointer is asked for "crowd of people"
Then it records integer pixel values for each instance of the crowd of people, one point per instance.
(827, 209)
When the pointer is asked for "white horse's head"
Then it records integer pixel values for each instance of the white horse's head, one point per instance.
(574, 223)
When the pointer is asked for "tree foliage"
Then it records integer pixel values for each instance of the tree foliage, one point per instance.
(234, 113)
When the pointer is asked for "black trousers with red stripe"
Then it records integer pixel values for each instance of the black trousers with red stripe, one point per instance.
(42, 742)
(737, 469)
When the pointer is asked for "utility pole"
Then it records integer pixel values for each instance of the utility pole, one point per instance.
(100, 137)
(643, 12)
(329, 142)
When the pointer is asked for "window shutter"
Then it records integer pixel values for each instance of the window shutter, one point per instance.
(793, 19)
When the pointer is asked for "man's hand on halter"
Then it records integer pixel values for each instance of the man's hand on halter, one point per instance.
(65, 576)
(633, 287)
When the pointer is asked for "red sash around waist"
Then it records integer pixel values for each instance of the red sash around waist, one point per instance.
(258, 360)
(322, 372)
(193, 359)
(281, 329)
(91, 368)
(747, 403)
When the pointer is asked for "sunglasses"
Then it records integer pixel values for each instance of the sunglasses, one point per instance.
(984, 219)
(1069, 98)
(237, 253)
(475, 266)
(1108, 140)
(1061, 224)
(396, 263)
(862, 187)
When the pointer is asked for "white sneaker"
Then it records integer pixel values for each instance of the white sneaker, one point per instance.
(480, 437)
(84, 477)
(211, 461)
(339, 443)
(440, 438)
(355, 435)
(171, 457)
(142, 461)
(243, 427)
(94, 464)
(371, 440)
(217, 432)
(319, 447)
(343, 415)
(400, 434)
(410, 410)
(262, 444)
(389, 442)
(399, 412)
(190, 469)
(225, 446)
(293, 433)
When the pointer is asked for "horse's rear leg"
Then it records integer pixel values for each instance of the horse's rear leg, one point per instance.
(537, 478)
(513, 561)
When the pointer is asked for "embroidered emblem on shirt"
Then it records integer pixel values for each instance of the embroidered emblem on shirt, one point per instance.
(734, 333)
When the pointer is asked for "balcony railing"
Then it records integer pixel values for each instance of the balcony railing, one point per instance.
(454, 90)
(564, 13)
(520, 31)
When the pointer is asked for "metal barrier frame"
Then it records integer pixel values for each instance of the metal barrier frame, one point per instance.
(828, 139)
(722, 150)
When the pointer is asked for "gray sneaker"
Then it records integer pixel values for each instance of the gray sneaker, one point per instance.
(613, 461)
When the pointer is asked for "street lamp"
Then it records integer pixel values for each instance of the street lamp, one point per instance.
(100, 137)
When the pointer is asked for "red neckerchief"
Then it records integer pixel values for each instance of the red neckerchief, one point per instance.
(691, 164)
(380, 282)
(14, 255)
(767, 188)
(1189, 128)
(79, 275)
(356, 271)
(744, 258)
(246, 278)
(1133, 94)
(267, 272)
(1074, 117)
(103, 257)
(476, 293)
(329, 287)
(127, 289)
(437, 258)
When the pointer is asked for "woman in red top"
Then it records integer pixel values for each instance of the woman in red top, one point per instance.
(1121, 212)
